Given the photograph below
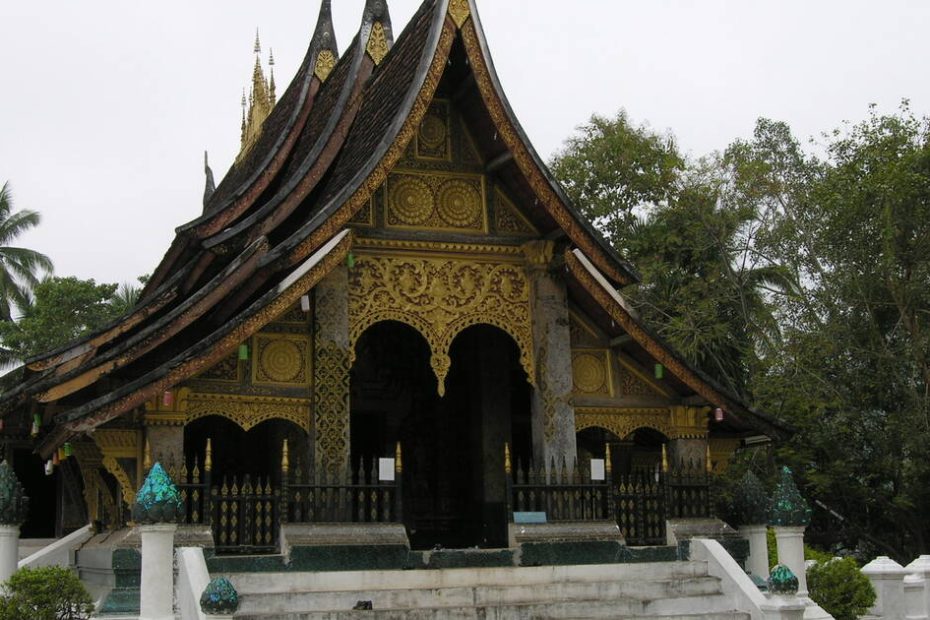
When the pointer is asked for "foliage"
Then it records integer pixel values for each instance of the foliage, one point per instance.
(19, 267)
(801, 282)
(62, 310)
(840, 588)
(48, 593)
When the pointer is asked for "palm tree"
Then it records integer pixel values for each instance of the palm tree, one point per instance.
(19, 267)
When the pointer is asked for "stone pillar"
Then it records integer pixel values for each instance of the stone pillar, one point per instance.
(157, 508)
(886, 576)
(553, 420)
(751, 507)
(14, 508)
(219, 600)
(332, 352)
(790, 516)
(688, 446)
(915, 587)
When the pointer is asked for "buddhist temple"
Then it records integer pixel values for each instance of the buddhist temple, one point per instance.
(387, 314)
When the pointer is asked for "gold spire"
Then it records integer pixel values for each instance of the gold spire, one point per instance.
(285, 458)
(260, 101)
(271, 86)
(508, 465)
(208, 457)
(664, 458)
(398, 459)
(147, 456)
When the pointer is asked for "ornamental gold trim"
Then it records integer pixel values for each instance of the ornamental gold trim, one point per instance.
(591, 372)
(622, 422)
(249, 411)
(281, 359)
(325, 63)
(441, 297)
(409, 247)
(377, 46)
(437, 201)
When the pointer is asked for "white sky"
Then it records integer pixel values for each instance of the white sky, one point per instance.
(106, 106)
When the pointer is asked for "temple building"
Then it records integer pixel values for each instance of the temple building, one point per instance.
(387, 312)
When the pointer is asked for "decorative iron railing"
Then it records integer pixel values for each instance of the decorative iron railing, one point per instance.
(355, 496)
(563, 494)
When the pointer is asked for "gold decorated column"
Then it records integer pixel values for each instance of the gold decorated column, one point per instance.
(331, 371)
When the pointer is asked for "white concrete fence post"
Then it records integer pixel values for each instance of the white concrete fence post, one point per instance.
(758, 562)
(790, 542)
(921, 566)
(887, 578)
(14, 508)
(915, 587)
(157, 599)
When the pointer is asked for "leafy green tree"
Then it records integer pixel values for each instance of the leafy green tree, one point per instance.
(613, 169)
(840, 588)
(48, 593)
(19, 267)
(62, 310)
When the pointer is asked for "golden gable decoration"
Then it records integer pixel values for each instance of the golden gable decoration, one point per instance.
(325, 63)
(508, 219)
(436, 201)
(440, 297)
(434, 138)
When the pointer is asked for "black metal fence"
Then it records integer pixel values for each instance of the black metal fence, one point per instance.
(354, 496)
(563, 494)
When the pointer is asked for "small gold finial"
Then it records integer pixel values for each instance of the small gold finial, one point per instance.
(147, 456)
(398, 459)
(664, 458)
(258, 43)
(285, 459)
(709, 464)
(608, 466)
(208, 457)
(460, 11)
(508, 465)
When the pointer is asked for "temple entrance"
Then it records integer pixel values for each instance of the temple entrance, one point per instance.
(235, 490)
(453, 447)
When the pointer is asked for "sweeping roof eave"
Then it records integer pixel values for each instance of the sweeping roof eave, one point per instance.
(585, 278)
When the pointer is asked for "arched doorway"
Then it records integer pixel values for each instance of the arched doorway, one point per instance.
(237, 493)
(453, 446)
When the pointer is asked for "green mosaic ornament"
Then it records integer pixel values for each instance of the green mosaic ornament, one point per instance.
(219, 598)
(750, 501)
(783, 581)
(158, 501)
(789, 508)
(14, 506)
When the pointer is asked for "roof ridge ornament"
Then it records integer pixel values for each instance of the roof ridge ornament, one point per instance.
(211, 183)
(377, 20)
(459, 11)
(324, 42)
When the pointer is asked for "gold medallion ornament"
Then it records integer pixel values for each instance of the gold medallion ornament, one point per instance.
(440, 298)
(460, 11)
(377, 43)
(325, 63)
(281, 361)
(411, 200)
(460, 204)
(589, 373)
(432, 132)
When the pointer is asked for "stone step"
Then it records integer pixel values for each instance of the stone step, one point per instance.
(575, 610)
(356, 581)
(482, 596)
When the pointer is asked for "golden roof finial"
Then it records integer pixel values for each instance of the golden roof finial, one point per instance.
(261, 101)
(271, 85)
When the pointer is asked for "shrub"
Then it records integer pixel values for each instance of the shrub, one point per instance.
(840, 588)
(48, 593)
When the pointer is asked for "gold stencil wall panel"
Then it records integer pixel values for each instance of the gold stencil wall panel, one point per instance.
(440, 297)
(436, 201)
(508, 219)
(591, 372)
(281, 360)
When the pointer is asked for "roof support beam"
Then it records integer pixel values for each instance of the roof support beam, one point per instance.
(619, 341)
(499, 162)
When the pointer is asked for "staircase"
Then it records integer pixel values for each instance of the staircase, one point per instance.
(680, 590)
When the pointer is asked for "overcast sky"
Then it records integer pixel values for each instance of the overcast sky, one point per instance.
(107, 105)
